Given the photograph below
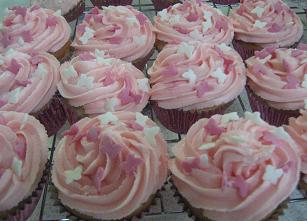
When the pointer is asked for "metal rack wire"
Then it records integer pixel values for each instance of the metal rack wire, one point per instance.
(147, 7)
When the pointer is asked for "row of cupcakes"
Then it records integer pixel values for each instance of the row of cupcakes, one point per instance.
(227, 168)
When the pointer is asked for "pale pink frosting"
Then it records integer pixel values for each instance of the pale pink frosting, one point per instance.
(121, 31)
(196, 75)
(122, 161)
(279, 76)
(193, 21)
(235, 169)
(101, 84)
(64, 5)
(27, 81)
(34, 29)
(298, 130)
(23, 155)
(266, 22)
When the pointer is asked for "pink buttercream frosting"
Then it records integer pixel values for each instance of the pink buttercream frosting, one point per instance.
(64, 5)
(235, 169)
(298, 130)
(100, 84)
(121, 31)
(27, 81)
(279, 76)
(266, 22)
(34, 29)
(108, 166)
(23, 155)
(196, 75)
(193, 21)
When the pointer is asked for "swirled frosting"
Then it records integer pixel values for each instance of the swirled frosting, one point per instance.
(193, 21)
(235, 169)
(100, 84)
(122, 31)
(279, 76)
(266, 22)
(196, 75)
(108, 166)
(64, 5)
(34, 29)
(298, 130)
(27, 81)
(23, 155)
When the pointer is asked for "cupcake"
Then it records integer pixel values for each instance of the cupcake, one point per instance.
(110, 167)
(121, 31)
(297, 128)
(35, 29)
(161, 4)
(192, 21)
(225, 2)
(23, 156)
(194, 80)
(262, 23)
(277, 83)
(94, 84)
(101, 3)
(70, 9)
(235, 169)
(28, 84)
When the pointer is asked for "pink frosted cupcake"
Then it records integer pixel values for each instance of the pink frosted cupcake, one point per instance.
(122, 31)
(35, 29)
(111, 166)
(192, 81)
(297, 129)
(277, 83)
(28, 84)
(235, 169)
(192, 21)
(94, 84)
(100, 3)
(70, 9)
(262, 23)
(23, 157)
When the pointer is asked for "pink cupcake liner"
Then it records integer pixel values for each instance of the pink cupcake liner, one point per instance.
(269, 114)
(162, 4)
(180, 121)
(225, 2)
(75, 12)
(53, 116)
(100, 3)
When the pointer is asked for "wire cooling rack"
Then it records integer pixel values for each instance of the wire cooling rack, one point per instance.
(149, 10)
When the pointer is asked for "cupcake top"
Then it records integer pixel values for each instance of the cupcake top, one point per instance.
(279, 76)
(196, 75)
(23, 155)
(27, 81)
(64, 5)
(108, 166)
(193, 21)
(34, 29)
(100, 84)
(298, 130)
(122, 31)
(235, 169)
(266, 22)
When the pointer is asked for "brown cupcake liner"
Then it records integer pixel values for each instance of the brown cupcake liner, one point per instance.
(75, 215)
(100, 3)
(302, 186)
(197, 214)
(180, 121)
(63, 52)
(141, 62)
(74, 114)
(225, 2)
(159, 45)
(53, 115)
(74, 13)
(273, 116)
(162, 4)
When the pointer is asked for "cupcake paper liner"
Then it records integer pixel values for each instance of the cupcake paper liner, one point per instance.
(100, 3)
(225, 2)
(180, 121)
(75, 215)
(74, 114)
(141, 62)
(74, 13)
(269, 114)
(245, 50)
(162, 4)
(302, 186)
(197, 214)
(159, 45)
(61, 54)
(53, 115)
